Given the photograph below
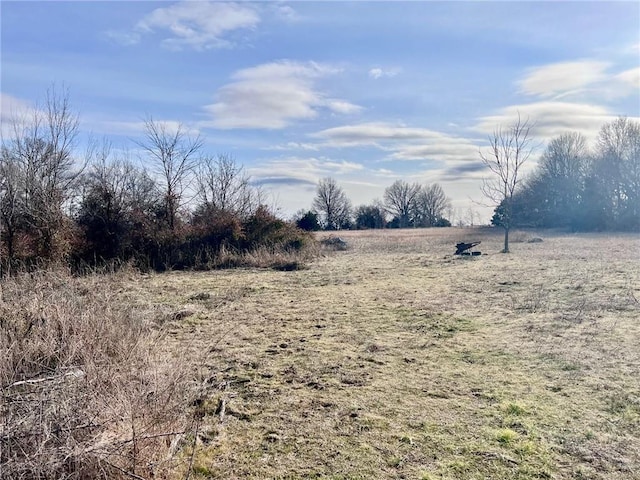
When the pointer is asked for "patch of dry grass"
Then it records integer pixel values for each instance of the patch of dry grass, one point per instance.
(84, 393)
(277, 258)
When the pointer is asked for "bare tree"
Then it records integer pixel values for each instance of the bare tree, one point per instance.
(11, 189)
(114, 193)
(173, 157)
(509, 149)
(618, 168)
(471, 216)
(430, 205)
(400, 200)
(565, 156)
(451, 213)
(332, 204)
(40, 171)
(223, 185)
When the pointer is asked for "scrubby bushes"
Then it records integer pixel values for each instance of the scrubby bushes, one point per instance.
(116, 214)
(143, 238)
(176, 208)
(222, 239)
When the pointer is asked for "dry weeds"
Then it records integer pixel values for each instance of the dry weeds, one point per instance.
(84, 394)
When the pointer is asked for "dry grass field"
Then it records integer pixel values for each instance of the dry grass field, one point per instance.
(391, 359)
(395, 359)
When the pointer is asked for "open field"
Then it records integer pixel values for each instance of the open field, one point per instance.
(394, 359)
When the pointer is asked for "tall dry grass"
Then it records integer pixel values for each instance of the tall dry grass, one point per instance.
(84, 393)
(275, 257)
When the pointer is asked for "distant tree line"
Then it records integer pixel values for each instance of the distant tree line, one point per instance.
(581, 188)
(179, 210)
(405, 205)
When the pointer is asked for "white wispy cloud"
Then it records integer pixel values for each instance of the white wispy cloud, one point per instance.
(375, 73)
(343, 166)
(378, 72)
(449, 156)
(630, 77)
(13, 107)
(273, 95)
(448, 175)
(13, 112)
(292, 179)
(123, 38)
(294, 146)
(585, 81)
(563, 78)
(550, 118)
(575, 96)
(199, 25)
(136, 128)
(372, 134)
(301, 170)
(285, 12)
(342, 106)
(443, 149)
(402, 142)
(285, 69)
(385, 173)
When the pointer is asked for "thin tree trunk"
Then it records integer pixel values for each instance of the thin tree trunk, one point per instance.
(506, 240)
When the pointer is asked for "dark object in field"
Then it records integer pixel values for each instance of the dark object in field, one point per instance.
(287, 266)
(463, 247)
(335, 242)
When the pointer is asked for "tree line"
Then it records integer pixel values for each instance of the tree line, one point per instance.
(574, 185)
(176, 208)
(404, 205)
(179, 208)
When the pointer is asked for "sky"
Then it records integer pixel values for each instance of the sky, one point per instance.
(364, 92)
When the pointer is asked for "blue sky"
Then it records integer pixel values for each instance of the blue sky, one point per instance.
(365, 92)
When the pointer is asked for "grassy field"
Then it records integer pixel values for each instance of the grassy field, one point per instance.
(395, 359)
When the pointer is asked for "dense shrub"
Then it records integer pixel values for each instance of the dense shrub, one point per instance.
(141, 237)
(308, 222)
(370, 216)
(265, 229)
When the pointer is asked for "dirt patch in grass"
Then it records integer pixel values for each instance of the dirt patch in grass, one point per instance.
(395, 359)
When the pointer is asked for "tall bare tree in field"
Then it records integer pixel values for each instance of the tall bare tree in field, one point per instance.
(173, 156)
(332, 203)
(509, 149)
(430, 205)
(400, 199)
